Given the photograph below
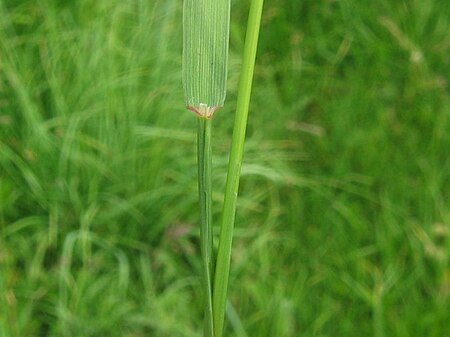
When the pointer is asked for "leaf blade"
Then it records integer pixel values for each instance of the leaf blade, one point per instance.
(206, 26)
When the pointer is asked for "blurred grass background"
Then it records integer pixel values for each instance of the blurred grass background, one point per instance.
(343, 219)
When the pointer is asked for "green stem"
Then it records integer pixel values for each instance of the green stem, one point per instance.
(206, 234)
(234, 167)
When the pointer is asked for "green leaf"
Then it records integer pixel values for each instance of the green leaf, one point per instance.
(206, 26)
(221, 275)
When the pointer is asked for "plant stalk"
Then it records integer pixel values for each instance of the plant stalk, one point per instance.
(206, 232)
(234, 167)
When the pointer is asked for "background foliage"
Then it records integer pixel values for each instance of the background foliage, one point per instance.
(343, 220)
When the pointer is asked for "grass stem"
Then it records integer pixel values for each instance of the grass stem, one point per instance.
(234, 167)
(206, 234)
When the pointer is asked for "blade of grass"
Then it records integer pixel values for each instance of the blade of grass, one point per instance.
(234, 167)
(206, 26)
(206, 234)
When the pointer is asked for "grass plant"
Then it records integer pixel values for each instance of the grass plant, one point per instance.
(205, 59)
(343, 198)
(206, 27)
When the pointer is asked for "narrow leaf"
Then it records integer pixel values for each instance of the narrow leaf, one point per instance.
(206, 26)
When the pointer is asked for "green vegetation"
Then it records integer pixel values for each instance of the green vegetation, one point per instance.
(206, 28)
(206, 32)
(342, 226)
(222, 274)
